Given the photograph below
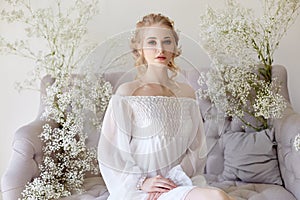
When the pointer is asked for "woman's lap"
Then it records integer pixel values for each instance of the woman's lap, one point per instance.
(177, 193)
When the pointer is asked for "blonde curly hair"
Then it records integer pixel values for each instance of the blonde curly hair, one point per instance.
(136, 40)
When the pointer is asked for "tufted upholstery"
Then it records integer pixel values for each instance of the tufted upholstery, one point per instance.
(286, 129)
(27, 155)
(27, 152)
(289, 159)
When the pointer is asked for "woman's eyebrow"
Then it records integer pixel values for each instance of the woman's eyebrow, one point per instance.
(151, 38)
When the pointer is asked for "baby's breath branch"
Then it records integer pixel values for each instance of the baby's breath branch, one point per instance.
(60, 31)
(248, 123)
(248, 44)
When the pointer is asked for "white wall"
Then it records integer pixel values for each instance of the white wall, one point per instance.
(118, 16)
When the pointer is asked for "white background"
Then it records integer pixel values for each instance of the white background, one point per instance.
(17, 109)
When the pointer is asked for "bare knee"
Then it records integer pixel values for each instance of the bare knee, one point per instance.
(207, 193)
(219, 194)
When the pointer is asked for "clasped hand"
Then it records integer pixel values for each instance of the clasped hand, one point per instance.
(156, 186)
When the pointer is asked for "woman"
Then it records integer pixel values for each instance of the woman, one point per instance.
(152, 144)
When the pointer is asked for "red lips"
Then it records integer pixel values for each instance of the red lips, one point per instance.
(161, 57)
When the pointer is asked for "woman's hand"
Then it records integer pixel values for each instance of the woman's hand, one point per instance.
(154, 195)
(158, 184)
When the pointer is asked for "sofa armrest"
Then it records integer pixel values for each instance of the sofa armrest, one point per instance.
(23, 165)
(289, 159)
(26, 157)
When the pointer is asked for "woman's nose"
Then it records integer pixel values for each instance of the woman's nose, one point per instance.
(159, 47)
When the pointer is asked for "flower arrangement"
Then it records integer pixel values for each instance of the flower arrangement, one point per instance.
(74, 103)
(66, 157)
(241, 47)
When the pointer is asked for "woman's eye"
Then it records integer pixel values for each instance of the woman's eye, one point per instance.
(152, 42)
(167, 42)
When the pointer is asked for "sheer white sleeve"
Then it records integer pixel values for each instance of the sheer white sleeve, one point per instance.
(118, 168)
(194, 161)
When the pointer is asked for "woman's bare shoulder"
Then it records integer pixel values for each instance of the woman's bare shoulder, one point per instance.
(186, 90)
(127, 89)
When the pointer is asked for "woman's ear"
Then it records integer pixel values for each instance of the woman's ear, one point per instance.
(177, 52)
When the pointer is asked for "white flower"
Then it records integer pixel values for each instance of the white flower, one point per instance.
(241, 47)
(268, 103)
(72, 102)
(297, 142)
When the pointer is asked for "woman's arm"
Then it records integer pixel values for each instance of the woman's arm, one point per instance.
(194, 161)
(118, 168)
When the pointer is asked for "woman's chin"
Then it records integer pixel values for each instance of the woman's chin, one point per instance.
(159, 64)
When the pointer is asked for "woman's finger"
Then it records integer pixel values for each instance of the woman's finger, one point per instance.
(157, 195)
(154, 195)
(158, 184)
(165, 183)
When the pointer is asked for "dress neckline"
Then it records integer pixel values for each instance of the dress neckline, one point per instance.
(155, 97)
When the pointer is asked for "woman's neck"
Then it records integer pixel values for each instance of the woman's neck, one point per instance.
(156, 74)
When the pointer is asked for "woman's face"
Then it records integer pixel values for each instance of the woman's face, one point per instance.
(159, 45)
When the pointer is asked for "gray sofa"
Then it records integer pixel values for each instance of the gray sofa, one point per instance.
(248, 168)
(254, 166)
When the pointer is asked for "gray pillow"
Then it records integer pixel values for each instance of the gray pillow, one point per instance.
(250, 157)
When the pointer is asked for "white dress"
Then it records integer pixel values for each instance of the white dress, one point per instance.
(149, 136)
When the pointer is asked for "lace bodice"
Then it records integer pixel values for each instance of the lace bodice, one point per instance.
(158, 115)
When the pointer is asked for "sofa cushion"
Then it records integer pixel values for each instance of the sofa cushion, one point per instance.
(250, 157)
(254, 191)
